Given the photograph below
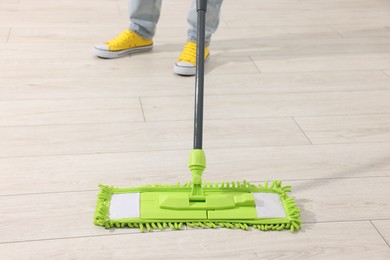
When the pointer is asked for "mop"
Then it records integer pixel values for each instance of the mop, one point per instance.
(197, 203)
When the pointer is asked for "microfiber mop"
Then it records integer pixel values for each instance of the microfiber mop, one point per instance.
(197, 203)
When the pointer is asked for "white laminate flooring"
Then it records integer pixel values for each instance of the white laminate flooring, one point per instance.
(296, 90)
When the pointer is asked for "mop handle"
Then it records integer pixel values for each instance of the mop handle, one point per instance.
(201, 6)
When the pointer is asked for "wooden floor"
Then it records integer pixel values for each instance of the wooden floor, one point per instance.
(296, 90)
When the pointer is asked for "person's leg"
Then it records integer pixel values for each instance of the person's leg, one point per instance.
(186, 64)
(212, 20)
(144, 15)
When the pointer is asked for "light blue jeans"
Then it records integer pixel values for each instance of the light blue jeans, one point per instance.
(144, 15)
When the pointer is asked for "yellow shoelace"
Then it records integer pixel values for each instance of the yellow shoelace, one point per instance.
(125, 38)
(189, 53)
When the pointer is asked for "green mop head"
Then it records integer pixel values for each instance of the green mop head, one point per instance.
(198, 204)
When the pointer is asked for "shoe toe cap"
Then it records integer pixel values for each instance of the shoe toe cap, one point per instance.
(102, 47)
(185, 64)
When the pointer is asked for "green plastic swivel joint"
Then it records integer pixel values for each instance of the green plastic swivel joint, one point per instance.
(197, 164)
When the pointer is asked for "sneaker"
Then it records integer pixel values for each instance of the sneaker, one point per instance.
(125, 43)
(186, 64)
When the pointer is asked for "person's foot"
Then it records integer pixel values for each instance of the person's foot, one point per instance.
(125, 43)
(186, 64)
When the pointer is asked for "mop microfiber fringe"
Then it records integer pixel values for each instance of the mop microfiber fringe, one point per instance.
(291, 220)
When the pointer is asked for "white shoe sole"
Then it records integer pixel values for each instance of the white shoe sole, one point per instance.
(186, 70)
(117, 54)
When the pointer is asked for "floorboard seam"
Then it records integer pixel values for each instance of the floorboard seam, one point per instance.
(384, 71)
(8, 35)
(254, 63)
(137, 233)
(303, 132)
(377, 230)
(337, 32)
(206, 120)
(318, 71)
(184, 149)
(347, 91)
(142, 109)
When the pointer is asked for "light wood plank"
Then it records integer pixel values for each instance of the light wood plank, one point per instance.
(137, 65)
(267, 41)
(272, 105)
(169, 47)
(346, 5)
(54, 52)
(249, 41)
(311, 48)
(93, 35)
(342, 199)
(346, 129)
(71, 17)
(231, 50)
(306, 13)
(304, 17)
(97, 138)
(60, 13)
(230, 6)
(257, 39)
(129, 86)
(171, 85)
(84, 172)
(48, 216)
(260, 31)
(169, 43)
(9, 2)
(8, 7)
(64, 6)
(82, 51)
(266, 16)
(61, 34)
(363, 30)
(327, 240)
(28, 3)
(76, 111)
(334, 62)
(166, 33)
(383, 227)
(387, 72)
(304, 45)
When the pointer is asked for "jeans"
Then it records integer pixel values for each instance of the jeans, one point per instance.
(144, 15)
